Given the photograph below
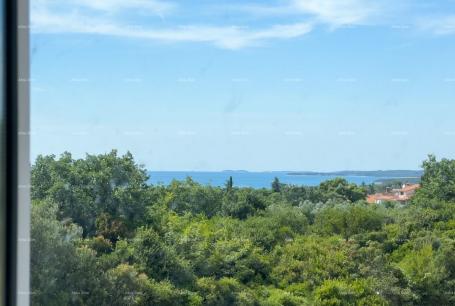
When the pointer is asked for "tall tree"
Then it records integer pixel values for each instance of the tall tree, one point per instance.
(229, 184)
(276, 185)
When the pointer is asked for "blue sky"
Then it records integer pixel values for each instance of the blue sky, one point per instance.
(257, 85)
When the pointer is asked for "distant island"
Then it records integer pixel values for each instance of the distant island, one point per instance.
(375, 173)
(243, 178)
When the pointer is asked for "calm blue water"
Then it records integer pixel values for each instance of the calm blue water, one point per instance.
(250, 179)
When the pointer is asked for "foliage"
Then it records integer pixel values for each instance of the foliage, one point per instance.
(102, 236)
(438, 180)
(339, 188)
(342, 292)
(86, 188)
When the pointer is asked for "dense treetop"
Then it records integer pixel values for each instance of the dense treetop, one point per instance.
(102, 236)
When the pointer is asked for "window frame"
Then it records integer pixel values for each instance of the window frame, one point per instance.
(16, 162)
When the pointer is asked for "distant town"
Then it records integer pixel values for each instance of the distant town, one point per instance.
(402, 195)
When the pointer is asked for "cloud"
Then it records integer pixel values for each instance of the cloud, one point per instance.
(114, 6)
(332, 12)
(108, 17)
(102, 17)
(338, 12)
(107, 6)
(439, 25)
(228, 37)
(260, 10)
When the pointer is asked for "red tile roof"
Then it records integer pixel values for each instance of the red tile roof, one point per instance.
(393, 196)
(410, 187)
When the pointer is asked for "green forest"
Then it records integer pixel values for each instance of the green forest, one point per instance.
(101, 235)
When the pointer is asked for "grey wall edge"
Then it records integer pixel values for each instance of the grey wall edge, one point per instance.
(24, 206)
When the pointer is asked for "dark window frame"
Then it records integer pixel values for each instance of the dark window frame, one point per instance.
(11, 132)
(16, 135)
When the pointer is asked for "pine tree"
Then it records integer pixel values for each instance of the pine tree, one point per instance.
(276, 185)
(229, 184)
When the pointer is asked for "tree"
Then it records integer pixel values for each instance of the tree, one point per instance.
(224, 292)
(438, 180)
(348, 220)
(339, 188)
(237, 258)
(110, 228)
(311, 260)
(229, 184)
(276, 185)
(129, 287)
(277, 225)
(102, 236)
(191, 197)
(278, 297)
(83, 189)
(159, 260)
(51, 255)
(426, 274)
(242, 204)
(347, 292)
(61, 272)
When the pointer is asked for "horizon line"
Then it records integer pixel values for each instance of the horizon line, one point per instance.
(288, 171)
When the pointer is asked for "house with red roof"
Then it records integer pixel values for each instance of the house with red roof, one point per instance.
(402, 195)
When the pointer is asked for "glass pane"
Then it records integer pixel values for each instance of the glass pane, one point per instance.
(243, 152)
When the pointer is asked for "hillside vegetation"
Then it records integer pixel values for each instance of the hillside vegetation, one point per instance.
(102, 236)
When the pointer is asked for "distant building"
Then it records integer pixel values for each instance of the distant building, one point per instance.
(402, 195)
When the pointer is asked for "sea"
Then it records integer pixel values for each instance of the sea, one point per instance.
(256, 179)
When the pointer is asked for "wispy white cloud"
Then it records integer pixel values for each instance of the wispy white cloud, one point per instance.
(104, 17)
(229, 37)
(438, 25)
(259, 10)
(118, 5)
(338, 13)
(332, 12)
(107, 6)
